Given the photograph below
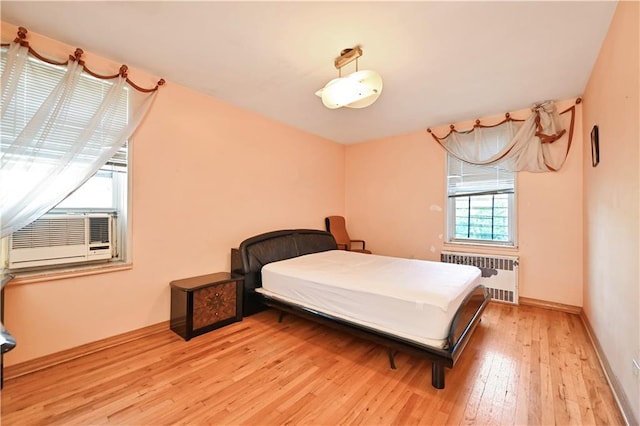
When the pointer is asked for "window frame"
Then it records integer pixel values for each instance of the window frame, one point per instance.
(450, 216)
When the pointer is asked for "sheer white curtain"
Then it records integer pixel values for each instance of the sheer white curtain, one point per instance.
(57, 136)
(535, 144)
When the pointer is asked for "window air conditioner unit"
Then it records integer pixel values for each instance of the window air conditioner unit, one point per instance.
(61, 238)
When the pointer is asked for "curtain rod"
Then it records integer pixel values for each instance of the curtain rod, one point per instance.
(122, 72)
(452, 128)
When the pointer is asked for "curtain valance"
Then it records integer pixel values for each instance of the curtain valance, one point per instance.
(76, 57)
(539, 143)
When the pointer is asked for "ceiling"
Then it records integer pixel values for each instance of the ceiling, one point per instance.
(441, 62)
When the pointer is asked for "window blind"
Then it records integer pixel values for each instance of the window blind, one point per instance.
(465, 179)
(39, 81)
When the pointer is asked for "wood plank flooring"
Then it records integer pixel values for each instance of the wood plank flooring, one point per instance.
(523, 365)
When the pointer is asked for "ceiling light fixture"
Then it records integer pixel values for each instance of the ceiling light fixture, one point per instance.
(357, 90)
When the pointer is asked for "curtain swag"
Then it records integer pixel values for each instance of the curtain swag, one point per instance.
(535, 144)
(58, 129)
(123, 72)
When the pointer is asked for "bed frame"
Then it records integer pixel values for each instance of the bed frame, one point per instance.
(255, 252)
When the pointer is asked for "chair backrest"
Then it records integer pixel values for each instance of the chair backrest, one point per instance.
(337, 226)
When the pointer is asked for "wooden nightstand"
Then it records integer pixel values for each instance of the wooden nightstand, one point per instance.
(204, 303)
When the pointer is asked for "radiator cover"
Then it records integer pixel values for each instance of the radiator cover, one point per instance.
(499, 273)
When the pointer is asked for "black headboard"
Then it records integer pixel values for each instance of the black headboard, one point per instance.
(255, 252)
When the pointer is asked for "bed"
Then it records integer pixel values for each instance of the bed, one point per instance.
(384, 299)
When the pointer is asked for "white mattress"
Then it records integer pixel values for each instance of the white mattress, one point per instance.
(413, 299)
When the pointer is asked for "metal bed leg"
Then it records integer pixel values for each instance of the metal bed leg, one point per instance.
(437, 375)
(392, 361)
(281, 316)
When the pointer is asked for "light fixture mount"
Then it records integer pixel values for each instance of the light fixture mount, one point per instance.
(347, 56)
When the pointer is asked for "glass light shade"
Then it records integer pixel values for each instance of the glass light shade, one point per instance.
(357, 90)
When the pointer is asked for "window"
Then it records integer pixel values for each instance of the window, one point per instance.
(480, 204)
(104, 195)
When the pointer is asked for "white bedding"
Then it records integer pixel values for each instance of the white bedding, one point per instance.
(414, 299)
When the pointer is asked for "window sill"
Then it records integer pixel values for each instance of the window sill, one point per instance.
(33, 277)
(479, 246)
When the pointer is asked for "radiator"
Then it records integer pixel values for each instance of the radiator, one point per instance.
(499, 273)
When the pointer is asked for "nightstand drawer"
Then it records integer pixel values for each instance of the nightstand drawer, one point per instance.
(213, 304)
(204, 303)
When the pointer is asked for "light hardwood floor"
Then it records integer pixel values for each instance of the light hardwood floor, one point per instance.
(523, 365)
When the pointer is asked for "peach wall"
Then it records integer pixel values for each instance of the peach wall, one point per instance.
(206, 175)
(395, 189)
(611, 203)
